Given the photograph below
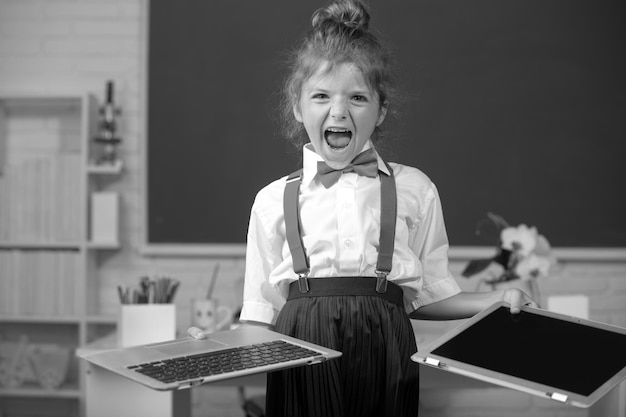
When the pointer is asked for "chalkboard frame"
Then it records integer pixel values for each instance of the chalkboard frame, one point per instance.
(458, 251)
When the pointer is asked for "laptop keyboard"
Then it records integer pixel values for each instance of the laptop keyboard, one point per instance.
(223, 361)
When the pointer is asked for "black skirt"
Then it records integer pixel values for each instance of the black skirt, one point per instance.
(374, 377)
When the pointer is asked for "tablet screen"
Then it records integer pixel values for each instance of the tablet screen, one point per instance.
(568, 355)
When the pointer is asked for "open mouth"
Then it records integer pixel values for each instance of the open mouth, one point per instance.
(337, 138)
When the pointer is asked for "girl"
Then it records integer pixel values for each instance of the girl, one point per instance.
(344, 251)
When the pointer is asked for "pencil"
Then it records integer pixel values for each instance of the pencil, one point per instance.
(120, 293)
(213, 279)
(172, 292)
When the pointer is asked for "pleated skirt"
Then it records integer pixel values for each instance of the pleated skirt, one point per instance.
(374, 377)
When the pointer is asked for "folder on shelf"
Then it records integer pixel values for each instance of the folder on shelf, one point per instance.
(104, 217)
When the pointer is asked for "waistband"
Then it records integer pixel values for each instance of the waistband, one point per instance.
(341, 286)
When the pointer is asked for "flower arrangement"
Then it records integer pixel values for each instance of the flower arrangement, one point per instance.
(522, 254)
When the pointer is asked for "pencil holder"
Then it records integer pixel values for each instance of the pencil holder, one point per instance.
(140, 324)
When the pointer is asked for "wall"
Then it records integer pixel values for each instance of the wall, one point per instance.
(78, 45)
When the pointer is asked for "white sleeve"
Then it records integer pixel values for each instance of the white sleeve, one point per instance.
(261, 302)
(431, 245)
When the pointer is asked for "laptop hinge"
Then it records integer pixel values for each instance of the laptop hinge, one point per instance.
(557, 397)
(190, 384)
(434, 362)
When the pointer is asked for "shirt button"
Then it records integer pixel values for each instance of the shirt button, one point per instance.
(348, 242)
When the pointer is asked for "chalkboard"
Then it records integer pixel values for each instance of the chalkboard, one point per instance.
(513, 107)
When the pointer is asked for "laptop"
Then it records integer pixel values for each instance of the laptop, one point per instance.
(187, 362)
(567, 359)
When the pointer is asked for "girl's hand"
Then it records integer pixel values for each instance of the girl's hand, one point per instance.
(517, 298)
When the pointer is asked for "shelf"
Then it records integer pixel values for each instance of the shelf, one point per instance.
(48, 319)
(38, 101)
(103, 245)
(102, 319)
(105, 169)
(68, 390)
(32, 319)
(32, 98)
(33, 245)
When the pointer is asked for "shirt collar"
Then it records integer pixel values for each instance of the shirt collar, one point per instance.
(310, 159)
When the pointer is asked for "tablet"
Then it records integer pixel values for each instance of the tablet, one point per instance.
(552, 355)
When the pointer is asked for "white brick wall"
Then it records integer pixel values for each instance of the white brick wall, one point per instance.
(78, 45)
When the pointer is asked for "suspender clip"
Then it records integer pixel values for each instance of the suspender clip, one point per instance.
(381, 282)
(303, 283)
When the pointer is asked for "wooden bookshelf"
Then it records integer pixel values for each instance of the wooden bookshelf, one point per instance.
(48, 263)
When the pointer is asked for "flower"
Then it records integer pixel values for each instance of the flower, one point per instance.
(532, 267)
(521, 239)
(522, 254)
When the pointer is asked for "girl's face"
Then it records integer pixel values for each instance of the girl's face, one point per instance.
(339, 113)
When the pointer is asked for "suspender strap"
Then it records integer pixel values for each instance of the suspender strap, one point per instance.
(388, 213)
(293, 229)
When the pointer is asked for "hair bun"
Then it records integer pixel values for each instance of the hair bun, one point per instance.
(350, 13)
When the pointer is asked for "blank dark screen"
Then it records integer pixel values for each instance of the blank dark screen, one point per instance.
(566, 355)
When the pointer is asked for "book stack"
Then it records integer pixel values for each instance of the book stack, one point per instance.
(41, 199)
(38, 283)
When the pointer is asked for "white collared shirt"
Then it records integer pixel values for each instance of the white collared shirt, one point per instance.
(340, 233)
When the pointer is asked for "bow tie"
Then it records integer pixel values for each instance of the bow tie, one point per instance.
(365, 164)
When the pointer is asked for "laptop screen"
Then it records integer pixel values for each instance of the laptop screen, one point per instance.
(572, 356)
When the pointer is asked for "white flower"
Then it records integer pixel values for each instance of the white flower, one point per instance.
(533, 266)
(524, 254)
(543, 246)
(521, 239)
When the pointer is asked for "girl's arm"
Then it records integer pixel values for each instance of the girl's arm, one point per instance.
(467, 304)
